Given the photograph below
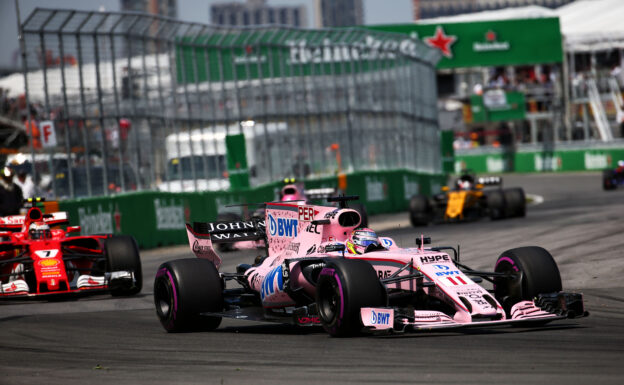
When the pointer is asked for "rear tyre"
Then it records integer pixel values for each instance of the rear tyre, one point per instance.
(496, 204)
(607, 180)
(420, 211)
(536, 273)
(515, 202)
(360, 208)
(185, 288)
(227, 217)
(122, 254)
(344, 287)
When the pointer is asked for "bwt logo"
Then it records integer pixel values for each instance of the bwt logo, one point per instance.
(273, 283)
(380, 318)
(441, 267)
(445, 273)
(283, 227)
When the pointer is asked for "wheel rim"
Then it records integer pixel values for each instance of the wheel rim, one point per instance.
(164, 299)
(329, 303)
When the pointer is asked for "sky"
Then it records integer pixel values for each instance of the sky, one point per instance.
(375, 12)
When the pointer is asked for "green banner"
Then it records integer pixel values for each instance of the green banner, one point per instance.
(447, 150)
(236, 153)
(540, 161)
(253, 54)
(497, 106)
(489, 43)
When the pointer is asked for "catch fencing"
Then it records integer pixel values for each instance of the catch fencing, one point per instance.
(142, 102)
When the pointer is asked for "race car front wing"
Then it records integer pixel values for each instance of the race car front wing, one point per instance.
(544, 308)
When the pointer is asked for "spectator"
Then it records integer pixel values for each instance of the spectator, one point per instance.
(10, 194)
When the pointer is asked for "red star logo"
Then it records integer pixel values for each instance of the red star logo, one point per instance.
(441, 41)
(490, 35)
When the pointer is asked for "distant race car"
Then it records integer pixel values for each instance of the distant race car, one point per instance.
(613, 178)
(37, 259)
(468, 201)
(322, 269)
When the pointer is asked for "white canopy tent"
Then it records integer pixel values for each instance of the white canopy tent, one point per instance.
(586, 25)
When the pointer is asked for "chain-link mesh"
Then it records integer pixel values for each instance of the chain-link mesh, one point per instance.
(144, 102)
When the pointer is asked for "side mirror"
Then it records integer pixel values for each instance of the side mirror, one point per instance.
(335, 247)
(445, 188)
(73, 229)
(5, 234)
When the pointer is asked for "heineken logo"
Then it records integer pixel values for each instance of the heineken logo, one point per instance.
(491, 43)
(441, 41)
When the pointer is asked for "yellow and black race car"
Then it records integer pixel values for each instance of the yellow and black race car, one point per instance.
(468, 200)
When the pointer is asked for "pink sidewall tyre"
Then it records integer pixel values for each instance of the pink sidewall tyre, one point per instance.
(345, 286)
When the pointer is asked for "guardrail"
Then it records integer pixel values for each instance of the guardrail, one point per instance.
(157, 218)
(536, 159)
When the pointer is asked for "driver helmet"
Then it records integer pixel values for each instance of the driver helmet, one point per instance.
(290, 193)
(360, 239)
(621, 163)
(39, 230)
(464, 184)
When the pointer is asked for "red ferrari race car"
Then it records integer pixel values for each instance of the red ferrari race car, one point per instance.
(321, 268)
(39, 259)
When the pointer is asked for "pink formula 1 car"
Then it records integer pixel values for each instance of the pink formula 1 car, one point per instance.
(321, 269)
(38, 259)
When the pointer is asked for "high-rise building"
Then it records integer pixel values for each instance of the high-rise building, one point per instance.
(339, 13)
(167, 8)
(257, 12)
(426, 9)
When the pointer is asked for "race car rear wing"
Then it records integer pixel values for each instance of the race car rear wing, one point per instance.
(202, 235)
(230, 232)
(490, 180)
(319, 193)
(16, 222)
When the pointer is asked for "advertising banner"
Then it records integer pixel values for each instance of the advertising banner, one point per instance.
(540, 161)
(489, 43)
(273, 53)
(497, 106)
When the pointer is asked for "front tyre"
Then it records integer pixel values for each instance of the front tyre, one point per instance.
(608, 177)
(420, 211)
(185, 288)
(515, 202)
(122, 254)
(535, 271)
(344, 287)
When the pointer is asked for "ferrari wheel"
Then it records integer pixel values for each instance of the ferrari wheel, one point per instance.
(122, 254)
(535, 272)
(185, 288)
(344, 287)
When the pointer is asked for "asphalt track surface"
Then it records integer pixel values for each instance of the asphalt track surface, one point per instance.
(104, 340)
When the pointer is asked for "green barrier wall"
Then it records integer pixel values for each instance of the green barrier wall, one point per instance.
(538, 161)
(158, 218)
